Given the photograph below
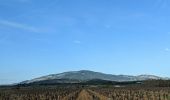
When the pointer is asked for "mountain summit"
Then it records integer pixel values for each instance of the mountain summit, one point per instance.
(86, 75)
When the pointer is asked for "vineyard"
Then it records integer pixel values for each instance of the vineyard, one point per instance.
(33, 93)
(134, 93)
(77, 92)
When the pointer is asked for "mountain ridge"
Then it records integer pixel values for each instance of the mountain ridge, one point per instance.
(86, 75)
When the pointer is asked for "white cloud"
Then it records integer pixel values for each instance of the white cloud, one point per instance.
(107, 26)
(10, 3)
(167, 49)
(161, 3)
(77, 41)
(18, 25)
(23, 0)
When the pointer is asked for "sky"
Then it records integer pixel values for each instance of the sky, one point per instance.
(41, 37)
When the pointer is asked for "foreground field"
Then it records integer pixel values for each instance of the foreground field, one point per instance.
(77, 92)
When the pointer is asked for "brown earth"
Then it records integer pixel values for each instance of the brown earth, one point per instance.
(84, 95)
(91, 95)
(99, 96)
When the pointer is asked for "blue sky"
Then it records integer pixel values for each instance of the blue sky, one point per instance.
(41, 37)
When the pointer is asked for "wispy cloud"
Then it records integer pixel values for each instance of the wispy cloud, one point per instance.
(24, 0)
(107, 26)
(167, 49)
(10, 3)
(77, 42)
(161, 3)
(3, 40)
(18, 26)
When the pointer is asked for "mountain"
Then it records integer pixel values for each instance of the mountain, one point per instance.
(86, 75)
(147, 77)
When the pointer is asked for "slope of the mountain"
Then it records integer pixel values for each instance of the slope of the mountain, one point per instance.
(146, 77)
(85, 75)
